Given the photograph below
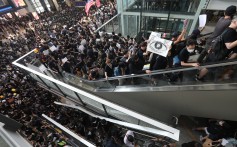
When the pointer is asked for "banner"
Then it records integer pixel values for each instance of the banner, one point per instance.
(159, 46)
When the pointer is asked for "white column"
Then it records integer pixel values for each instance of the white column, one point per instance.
(30, 6)
(195, 20)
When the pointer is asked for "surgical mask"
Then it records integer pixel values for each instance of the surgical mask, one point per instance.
(190, 50)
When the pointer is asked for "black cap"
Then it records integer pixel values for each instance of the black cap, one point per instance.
(196, 32)
(230, 11)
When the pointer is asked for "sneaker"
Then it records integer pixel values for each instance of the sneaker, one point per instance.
(198, 79)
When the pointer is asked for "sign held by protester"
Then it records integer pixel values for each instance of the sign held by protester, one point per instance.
(64, 60)
(154, 34)
(159, 46)
(53, 48)
(202, 20)
(46, 52)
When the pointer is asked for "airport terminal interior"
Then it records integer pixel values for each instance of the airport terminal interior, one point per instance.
(118, 73)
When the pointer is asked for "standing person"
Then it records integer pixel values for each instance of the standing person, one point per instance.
(229, 48)
(109, 69)
(221, 25)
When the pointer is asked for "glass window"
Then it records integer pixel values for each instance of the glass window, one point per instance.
(38, 6)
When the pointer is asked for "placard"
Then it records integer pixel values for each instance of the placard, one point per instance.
(159, 46)
(46, 52)
(64, 60)
(146, 67)
(53, 48)
(202, 20)
(154, 34)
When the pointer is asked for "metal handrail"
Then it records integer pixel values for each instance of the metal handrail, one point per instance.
(155, 72)
(80, 139)
(121, 123)
(107, 22)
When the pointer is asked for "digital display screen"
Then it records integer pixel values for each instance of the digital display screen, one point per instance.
(5, 9)
(5, 6)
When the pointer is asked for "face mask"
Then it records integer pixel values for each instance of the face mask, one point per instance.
(190, 50)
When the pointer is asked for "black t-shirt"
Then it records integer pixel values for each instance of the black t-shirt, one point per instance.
(230, 36)
(184, 55)
(176, 48)
(109, 70)
(158, 62)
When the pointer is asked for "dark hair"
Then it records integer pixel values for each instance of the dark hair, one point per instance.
(190, 42)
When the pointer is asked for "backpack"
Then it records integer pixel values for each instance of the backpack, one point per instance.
(217, 49)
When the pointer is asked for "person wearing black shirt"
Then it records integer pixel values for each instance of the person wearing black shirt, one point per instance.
(185, 54)
(136, 65)
(109, 69)
(66, 67)
(220, 27)
(230, 40)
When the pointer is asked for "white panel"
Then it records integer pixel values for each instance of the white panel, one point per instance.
(220, 4)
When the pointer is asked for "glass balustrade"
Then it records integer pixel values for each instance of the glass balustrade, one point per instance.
(113, 25)
(219, 73)
(188, 7)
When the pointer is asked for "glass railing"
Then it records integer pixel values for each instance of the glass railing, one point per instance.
(219, 73)
(142, 132)
(71, 138)
(113, 25)
(164, 6)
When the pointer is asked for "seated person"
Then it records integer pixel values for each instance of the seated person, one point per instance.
(182, 58)
(214, 131)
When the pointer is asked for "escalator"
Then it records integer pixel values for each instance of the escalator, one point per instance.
(214, 98)
(102, 123)
(152, 95)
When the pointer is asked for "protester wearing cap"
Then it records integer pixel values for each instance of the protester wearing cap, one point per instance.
(195, 34)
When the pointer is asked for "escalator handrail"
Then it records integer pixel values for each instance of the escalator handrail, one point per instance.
(156, 72)
(125, 124)
(82, 140)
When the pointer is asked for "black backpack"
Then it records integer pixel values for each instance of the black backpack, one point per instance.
(217, 51)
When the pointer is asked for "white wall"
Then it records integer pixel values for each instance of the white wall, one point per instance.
(220, 4)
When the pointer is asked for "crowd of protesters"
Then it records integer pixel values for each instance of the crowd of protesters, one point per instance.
(74, 47)
(66, 41)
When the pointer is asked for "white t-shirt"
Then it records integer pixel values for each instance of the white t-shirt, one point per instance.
(126, 142)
